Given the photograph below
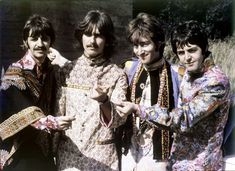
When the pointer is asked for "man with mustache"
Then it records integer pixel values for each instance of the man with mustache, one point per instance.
(27, 90)
(89, 87)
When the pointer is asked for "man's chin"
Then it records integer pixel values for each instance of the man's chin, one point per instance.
(191, 71)
(40, 58)
(93, 55)
(194, 72)
(145, 62)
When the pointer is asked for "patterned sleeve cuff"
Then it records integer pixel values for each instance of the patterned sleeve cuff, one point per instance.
(142, 112)
(148, 113)
(47, 123)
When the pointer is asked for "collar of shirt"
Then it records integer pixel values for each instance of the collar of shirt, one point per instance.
(27, 62)
(155, 65)
(97, 61)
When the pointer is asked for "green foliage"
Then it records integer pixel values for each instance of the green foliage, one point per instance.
(215, 15)
(219, 19)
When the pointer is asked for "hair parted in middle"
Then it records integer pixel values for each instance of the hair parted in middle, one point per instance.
(102, 21)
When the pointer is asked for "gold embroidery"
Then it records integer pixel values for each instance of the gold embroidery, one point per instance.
(14, 71)
(163, 100)
(21, 79)
(16, 123)
(77, 86)
(13, 76)
(19, 121)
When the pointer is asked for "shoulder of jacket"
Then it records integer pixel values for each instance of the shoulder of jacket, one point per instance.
(179, 69)
(13, 77)
(127, 62)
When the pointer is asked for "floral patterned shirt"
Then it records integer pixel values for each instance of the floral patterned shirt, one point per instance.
(90, 143)
(199, 120)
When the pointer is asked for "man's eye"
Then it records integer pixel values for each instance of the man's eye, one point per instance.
(88, 34)
(192, 50)
(45, 38)
(143, 44)
(33, 38)
(180, 53)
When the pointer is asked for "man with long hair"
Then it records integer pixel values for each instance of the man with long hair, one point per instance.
(89, 87)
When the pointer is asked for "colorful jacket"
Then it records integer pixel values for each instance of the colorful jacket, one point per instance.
(160, 140)
(198, 121)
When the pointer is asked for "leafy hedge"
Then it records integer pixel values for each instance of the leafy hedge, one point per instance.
(215, 15)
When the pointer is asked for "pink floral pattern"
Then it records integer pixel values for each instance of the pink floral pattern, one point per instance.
(47, 123)
(198, 122)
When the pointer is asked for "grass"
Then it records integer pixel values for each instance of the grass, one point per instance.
(224, 56)
(223, 53)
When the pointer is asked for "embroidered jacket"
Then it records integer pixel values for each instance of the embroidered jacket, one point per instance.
(198, 121)
(90, 143)
(26, 93)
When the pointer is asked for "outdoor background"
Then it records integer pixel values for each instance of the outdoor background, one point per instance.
(216, 16)
(64, 15)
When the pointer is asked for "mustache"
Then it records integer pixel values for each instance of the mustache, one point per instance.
(41, 48)
(92, 45)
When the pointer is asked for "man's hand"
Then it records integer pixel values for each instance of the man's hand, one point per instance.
(127, 107)
(53, 53)
(65, 122)
(99, 93)
(56, 58)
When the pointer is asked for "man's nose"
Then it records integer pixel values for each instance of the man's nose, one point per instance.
(140, 50)
(40, 42)
(187, 56)
(92, 40)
